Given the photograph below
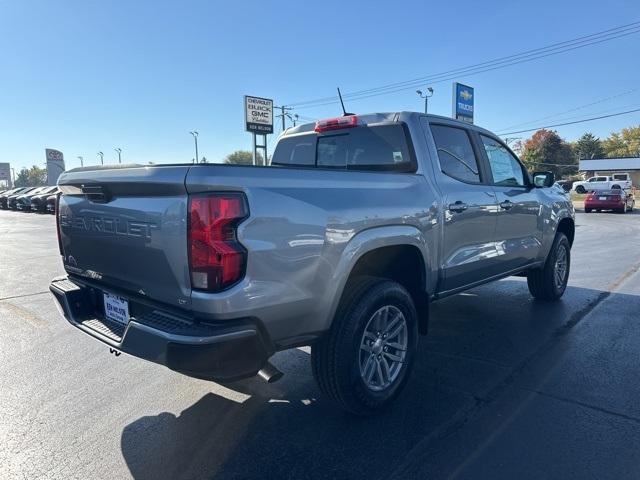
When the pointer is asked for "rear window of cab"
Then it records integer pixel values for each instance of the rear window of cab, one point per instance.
(364, 148)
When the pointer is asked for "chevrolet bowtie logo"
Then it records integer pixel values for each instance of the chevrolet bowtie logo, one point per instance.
(466, 95)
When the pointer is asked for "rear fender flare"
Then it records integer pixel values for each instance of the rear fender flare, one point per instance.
(367, 241)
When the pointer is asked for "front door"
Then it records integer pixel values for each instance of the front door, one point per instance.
(519, 226)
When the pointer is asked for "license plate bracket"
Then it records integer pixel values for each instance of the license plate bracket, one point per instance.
(116, 308)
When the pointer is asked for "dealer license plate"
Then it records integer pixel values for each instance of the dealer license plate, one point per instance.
(116, 308)
(602, 198)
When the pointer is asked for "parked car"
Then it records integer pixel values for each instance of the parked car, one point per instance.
(602, 182)
(51, 203)
(12, 200)
(39, 201)
(618, 200)
(566, 185)
(23, 202)
(359, 224)
(5, 195)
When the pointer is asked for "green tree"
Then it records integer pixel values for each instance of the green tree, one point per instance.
(545, 150)
(242, 157)
(31, 177)
(625, 143)
(589, 146)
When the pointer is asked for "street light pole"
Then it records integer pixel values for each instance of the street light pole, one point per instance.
(429, 93)
(81, 160)
(101, 155)
(119, 150)
(195, 138)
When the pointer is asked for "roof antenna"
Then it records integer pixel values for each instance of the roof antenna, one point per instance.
(344, 112)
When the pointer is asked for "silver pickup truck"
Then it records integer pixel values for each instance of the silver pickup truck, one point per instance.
(358, 224)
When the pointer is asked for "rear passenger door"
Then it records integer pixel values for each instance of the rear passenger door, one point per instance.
(468, 253)
(519, 226)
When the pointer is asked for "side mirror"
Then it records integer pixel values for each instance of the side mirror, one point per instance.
(543, 179)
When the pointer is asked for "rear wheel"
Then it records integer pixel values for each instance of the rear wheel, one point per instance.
(587, 210)
(623, 209)
(364, 361)
(550, 282)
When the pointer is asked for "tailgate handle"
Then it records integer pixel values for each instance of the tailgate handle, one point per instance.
(96, 193)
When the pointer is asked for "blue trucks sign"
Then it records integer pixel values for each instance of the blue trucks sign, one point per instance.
(463, 98)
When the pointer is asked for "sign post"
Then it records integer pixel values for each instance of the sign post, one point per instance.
(463, 102)
(258, 115)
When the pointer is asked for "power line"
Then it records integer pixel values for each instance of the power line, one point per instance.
(574, 122)
(602, 100)
(502, 62)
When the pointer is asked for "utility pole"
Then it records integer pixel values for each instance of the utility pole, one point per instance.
(81, 160)
(284, 114)
(429, 93)
(101, 155)
(119, 150)
(195, 138)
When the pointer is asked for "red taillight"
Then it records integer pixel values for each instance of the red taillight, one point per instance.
(216, 259)
(57, 213)
(337, 123)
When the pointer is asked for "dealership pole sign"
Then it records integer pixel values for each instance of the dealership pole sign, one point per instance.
(258, 113)
(55, 165)
(5, 175)
(463, 101)
(258, 119)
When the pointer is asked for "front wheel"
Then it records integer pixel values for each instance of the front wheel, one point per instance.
(364, 360)
(580, 189)
(550, 282)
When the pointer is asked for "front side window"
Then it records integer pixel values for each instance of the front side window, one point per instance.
(457, 159)
(505, 168)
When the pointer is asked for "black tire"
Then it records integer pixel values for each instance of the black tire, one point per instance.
(335, 359)
(580, 189)
(542, 282)
(587, 210)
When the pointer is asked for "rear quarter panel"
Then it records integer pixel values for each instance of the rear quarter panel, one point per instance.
(306, 230)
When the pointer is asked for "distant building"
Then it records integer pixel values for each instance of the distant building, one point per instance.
(5, 176)
(609, 166)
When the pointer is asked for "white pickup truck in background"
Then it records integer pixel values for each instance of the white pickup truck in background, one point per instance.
(603, 182)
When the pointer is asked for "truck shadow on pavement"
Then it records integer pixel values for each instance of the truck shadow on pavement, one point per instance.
(287, 430)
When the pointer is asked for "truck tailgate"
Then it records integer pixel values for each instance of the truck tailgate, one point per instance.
(127, 228)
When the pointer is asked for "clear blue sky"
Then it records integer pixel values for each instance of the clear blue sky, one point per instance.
(84, 76)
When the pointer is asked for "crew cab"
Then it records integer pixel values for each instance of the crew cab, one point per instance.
(342, 243)
(603, 182)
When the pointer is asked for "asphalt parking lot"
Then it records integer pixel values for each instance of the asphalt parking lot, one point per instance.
(504, 387)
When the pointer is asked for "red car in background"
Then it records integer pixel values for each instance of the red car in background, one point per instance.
(617, 200)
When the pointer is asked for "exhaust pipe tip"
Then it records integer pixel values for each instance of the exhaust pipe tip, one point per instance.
(270, 374)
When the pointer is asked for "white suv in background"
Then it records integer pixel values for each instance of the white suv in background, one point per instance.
(603, 182)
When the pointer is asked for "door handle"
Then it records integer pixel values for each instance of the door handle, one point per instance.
(458, 206)
(506, 205)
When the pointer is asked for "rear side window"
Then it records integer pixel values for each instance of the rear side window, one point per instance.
(375, 148)
(457, 159)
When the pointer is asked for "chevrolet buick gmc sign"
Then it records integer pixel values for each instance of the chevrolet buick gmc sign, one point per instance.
(258, 113)
(463, 98)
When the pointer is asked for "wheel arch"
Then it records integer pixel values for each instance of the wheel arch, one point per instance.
(398, 253)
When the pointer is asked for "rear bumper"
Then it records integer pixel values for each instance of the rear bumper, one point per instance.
(212, 352)
(602, 205)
